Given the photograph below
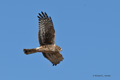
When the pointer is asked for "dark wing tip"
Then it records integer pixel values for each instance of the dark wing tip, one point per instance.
(38, 16)
(43, 15)
(54, 64)
(46, 15)
(41, 11)
(50, 18)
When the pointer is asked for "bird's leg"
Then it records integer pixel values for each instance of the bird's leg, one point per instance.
(30, 51)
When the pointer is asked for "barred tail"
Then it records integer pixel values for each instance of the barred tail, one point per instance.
(29, 51)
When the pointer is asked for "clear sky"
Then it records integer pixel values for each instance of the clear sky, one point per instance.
(87, 30)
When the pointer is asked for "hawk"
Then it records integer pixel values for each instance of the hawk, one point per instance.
(46, 36)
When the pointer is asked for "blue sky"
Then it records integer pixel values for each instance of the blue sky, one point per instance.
(87, 30)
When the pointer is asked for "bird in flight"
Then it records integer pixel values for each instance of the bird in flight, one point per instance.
(46, 37)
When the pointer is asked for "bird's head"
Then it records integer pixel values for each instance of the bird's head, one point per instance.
(58, 48)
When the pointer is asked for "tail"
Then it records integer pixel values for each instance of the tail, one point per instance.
(29, 51)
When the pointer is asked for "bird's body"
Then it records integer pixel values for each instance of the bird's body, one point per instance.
(44, 49)
(46, 36)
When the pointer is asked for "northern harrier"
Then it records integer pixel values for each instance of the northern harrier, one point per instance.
(46, 36)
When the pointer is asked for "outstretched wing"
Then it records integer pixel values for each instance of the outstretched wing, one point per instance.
(54, 58)
(46, 32)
